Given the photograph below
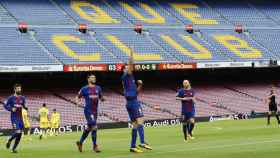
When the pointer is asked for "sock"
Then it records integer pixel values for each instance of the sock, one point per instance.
(17, 141)
(191, 128)
(84, 136)
(268, 119)
(140, 129)
(185, 131)
(29, 132)
(133, 138)
(277, 117)
(94, 136)
(188, 127)
(14, 135)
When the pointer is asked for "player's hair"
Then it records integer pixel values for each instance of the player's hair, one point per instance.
(54, 109)
(17, 85)
(44, 105)
(88, 76)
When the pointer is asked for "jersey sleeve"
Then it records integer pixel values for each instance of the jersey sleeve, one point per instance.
(124, 76)
(8, 104)
(193, 93)
(180, 93)
(100, 92)
(24, 103)
(81, 93)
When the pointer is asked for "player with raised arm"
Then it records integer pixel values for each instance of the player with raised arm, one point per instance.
(187, 96)
(133, 106)
(15, 103)
(91, 93)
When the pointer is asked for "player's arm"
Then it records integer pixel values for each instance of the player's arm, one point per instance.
(101, 96)
(24, 104)
(184, 98)
(130, 64)
(39, 114)
(48, 115)
(140, 85)
(79, 97)
(8, 106)
(180, 96)
(194, 99)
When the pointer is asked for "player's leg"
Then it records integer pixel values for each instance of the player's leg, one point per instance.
(92, 122)
(94, 139)
(43, 131)
(19, 129)
(276, 114)
(191, 127)
(17, 140)
(268, 117)
(43, 128)
(184, 127)
(131, 115)
(133, 147)
(140, 127)
(83, 138)
(13, 136)
(85, 132)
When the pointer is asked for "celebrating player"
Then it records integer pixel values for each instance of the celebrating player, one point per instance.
(15, 104)
(271, 99)
(91, 93)
(26, 123)
(187, 96)
(44, 120)
(55, 121)
(133, 106)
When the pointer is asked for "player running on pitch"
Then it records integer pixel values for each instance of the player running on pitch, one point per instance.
(91, 93)
(15, 104)
(133, 106)
(272, 104)
(187, 96)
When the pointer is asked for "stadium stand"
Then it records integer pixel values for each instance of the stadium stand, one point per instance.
(120, 40)
(70, 46)
(95, 13)
(185, 46)
(5, 17)
(238, 47)
(240, 12)
(35, 12)
(20, 49)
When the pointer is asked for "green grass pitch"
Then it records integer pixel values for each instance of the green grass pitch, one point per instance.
(221, 139)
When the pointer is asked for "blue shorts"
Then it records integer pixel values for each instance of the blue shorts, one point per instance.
(91, 118)
(188, 115)
(17, 124)
(134, 110)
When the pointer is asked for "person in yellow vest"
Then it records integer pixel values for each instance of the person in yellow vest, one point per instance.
(26, 123)
(55, 122)
(44, 120)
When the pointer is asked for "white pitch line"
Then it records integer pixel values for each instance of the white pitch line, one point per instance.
(193, 149)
